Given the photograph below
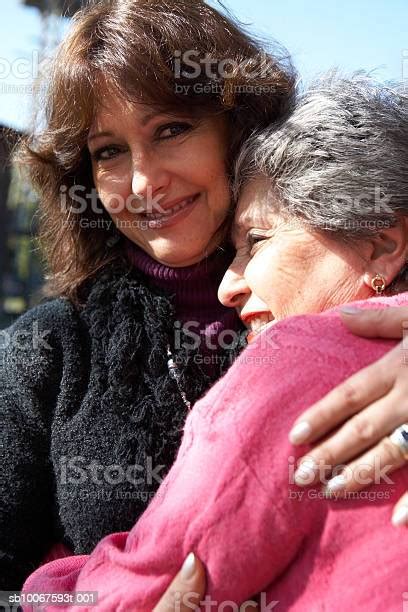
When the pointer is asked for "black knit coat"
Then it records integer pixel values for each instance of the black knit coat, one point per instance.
(90, 418)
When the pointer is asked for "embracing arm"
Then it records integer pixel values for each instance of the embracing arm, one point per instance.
(364, 409)
(216, 500)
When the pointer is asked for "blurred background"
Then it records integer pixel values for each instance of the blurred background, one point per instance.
(320, 34)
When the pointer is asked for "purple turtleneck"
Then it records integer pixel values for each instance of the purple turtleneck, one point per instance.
(194, 290)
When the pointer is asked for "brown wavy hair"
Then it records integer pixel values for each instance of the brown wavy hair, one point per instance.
(138, 46)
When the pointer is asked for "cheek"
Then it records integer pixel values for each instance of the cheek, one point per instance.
(209, 173)
(207, 160)
(117, 178)
(276, 275)
(113, 190)
(261, 277)
(214, 182)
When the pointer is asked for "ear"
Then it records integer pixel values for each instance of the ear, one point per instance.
(388, 253)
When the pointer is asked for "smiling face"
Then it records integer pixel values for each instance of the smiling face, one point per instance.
(161, 178)
(281, 268)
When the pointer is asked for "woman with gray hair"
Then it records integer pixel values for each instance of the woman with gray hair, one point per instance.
(310, 235)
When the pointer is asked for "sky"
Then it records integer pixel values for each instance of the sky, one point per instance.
(320, 34)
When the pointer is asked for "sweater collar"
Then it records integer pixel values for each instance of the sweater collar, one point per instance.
(193, 288)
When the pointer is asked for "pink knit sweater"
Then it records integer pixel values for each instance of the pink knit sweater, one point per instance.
(230, 496)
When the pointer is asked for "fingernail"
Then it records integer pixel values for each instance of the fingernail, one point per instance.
(400, 516)
(335, 484)
(306, 472)
(300, 432)
(189, 566)
(350, 310)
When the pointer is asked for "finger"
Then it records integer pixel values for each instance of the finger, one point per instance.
(187, 589)
(383, 323)
(348, 398)
(363, 431)
(400, 514)
(373, 467)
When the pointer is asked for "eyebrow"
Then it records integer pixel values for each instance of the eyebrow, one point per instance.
(145, 120)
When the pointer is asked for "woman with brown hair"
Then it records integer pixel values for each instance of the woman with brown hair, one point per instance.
(147, 105)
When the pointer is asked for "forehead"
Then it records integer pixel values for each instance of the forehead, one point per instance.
(255, 206)
(112, 109)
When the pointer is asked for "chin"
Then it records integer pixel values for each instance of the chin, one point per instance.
(179, 260)
(171, 254)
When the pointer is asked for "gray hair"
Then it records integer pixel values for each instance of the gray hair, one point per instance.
(339, 160)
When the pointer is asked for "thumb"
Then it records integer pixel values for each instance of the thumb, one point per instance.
(187, 589)
(382, 323)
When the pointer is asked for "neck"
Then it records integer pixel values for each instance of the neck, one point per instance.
(193, 290)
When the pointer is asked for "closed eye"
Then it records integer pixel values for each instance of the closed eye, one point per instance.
(254, 238)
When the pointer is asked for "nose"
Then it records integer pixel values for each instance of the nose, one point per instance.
(234, 290)
(149, 177)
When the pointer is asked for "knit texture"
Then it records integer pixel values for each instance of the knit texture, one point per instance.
(91, 420)
(230, 496)
(193, 291)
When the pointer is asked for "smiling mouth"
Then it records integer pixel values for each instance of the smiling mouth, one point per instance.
(170, 212)
(257, 323)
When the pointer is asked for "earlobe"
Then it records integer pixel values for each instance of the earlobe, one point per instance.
(378, 283)
(388, 256)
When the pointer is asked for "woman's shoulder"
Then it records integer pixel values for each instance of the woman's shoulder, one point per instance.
(323, 340)
(32, 346)
(51, 316)
(58, 314)
(293, 363)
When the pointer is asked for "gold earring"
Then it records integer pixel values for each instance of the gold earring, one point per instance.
(378, 283)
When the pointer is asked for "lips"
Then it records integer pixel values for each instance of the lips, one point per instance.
(170, 208)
